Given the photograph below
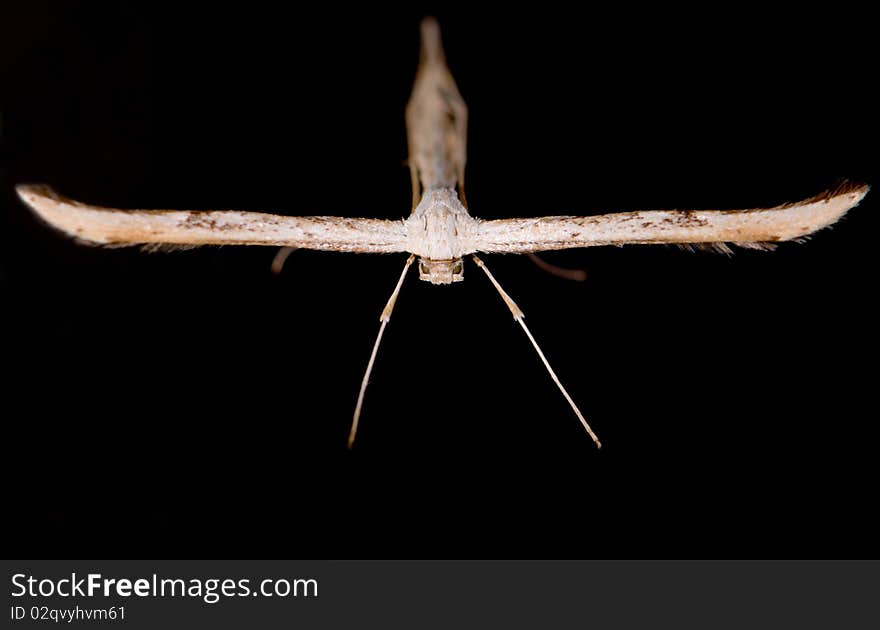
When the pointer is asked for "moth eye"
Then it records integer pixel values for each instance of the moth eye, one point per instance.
(457, 268)
(423, 269)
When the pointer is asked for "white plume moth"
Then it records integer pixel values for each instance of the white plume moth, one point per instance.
(440, 232)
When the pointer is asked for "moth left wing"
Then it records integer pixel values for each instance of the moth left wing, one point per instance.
(114, 227)
(753, 228)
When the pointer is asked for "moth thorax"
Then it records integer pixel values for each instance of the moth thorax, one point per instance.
(441, 271)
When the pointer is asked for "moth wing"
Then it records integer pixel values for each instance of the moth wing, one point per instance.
(114, 227)
(753, 228)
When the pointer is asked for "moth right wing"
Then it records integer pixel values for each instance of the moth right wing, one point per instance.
(753, 228)
(114, 227)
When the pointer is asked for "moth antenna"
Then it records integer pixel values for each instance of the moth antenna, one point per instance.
(578, 275)
(520, 318)
(281, 258)
(386, 315)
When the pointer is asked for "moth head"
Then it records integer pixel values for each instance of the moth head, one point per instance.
(441, 271)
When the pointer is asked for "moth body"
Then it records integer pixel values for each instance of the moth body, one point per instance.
(436, 119)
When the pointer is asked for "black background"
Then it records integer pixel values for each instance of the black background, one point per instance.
(191, 404)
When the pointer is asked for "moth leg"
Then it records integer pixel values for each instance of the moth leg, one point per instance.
(577, 275)
(384, 318)
(281, 258)
(461, 194)
(520, 319)
(416, 186)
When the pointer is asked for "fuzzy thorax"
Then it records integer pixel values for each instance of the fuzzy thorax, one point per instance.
(440, 231)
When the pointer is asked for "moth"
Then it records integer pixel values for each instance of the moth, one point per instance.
(440, 232)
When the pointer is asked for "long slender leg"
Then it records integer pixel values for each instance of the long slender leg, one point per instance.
(520, 318)
(386, 315)
(281, 258)
(578, 275)
(416, 186)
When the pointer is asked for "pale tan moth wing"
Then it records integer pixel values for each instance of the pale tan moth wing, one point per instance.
(756, 228)
(114, 227)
